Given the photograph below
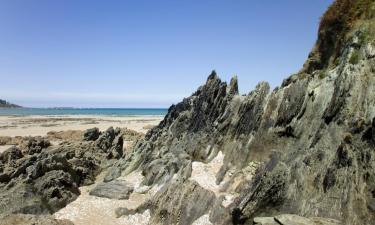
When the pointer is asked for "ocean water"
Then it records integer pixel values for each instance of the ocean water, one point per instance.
(83, 111)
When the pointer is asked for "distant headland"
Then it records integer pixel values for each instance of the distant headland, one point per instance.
(5, 104)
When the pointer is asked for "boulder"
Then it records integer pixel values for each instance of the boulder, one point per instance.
(115, 189)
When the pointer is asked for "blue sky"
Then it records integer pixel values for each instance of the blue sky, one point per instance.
(140, 53)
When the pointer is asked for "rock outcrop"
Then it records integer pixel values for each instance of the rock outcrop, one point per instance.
(313, 137)
(41, 179)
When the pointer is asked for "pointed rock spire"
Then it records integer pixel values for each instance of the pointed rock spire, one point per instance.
(233, 86)
(212, 76)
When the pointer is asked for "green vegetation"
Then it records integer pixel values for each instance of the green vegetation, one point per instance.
(363, 37)
(354, 58)
(322, 74)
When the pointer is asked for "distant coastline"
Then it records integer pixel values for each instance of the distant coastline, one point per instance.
(5, 104)
(66, 111)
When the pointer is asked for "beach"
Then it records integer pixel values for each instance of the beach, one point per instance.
(69, 127)
(40, 125)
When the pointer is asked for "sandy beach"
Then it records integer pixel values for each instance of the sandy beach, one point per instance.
(40, 125)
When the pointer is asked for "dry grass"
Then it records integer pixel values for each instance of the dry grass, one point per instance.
(342, 14)
(335, 25)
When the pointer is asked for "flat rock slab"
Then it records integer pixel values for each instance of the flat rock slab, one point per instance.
(290, 219)
(114, 190)
(325, 221)
(265, 221)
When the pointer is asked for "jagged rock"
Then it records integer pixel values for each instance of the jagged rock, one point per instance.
(233, 86)
(189, 123)
(57, 189)
(105, 139)
(313, 137)
(114, 190)
(10, 155)
(180, 202)
(91, 134)
(46, 178)
(251, 109)
(111, 142)
(35, 145)
(292, 102)
(116, 150)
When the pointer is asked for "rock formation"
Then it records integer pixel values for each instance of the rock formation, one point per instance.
(41, 179)
(302, 153)
(313, 137)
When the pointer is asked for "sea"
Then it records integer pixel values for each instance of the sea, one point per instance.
(83, 111)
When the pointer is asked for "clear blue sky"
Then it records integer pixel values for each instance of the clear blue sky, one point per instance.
(139, 53)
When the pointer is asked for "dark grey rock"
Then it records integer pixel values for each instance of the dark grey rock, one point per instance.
(105, 139)
(42, 179)
(115, 189)
(91, 134)
(180, 201)
(116, 150)
(36, 145)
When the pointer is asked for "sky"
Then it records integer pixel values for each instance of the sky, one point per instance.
(146, 53)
